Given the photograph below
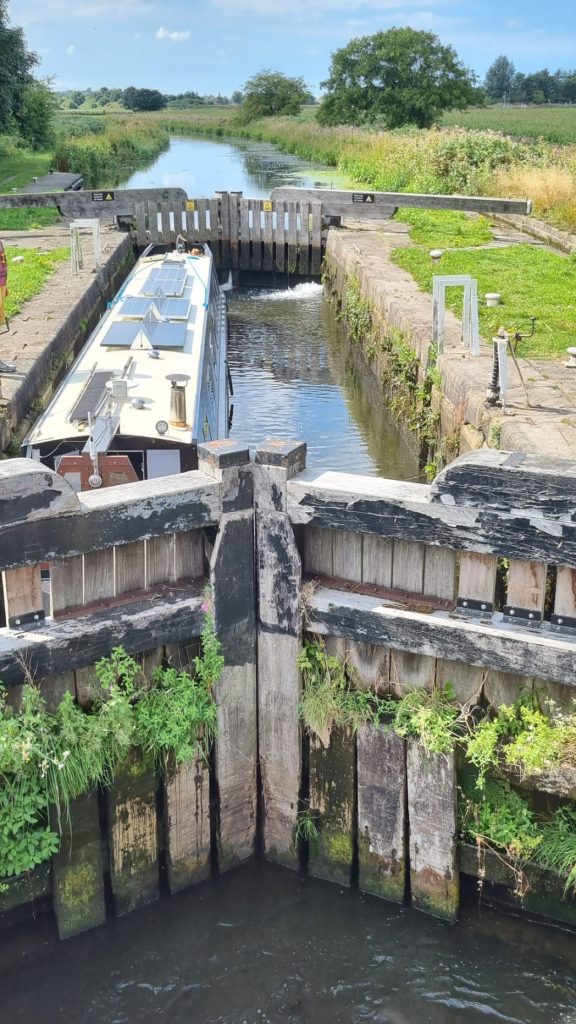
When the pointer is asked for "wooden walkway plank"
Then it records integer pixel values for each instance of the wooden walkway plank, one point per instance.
(408, 566)
(526, 591)
(318, 551)
(347, 555)
(98, 575)
(66, 584)
(376, 560)
(159, 560)
(440, 573)
(477, 582)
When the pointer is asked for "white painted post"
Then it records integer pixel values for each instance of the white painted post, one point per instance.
(502, 344)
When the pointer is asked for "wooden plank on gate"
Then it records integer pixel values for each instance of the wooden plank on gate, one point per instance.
(332, 783)
(347, 555)
(203, 233)
(23, 601)
(318, 550)
(565, 598)
(159, 560)
(440, 572)
(267, 236)
(188, 554)
(66, 584)
(77, 868)
(293, 263)
(225, 222)
(191, 221)
(133, 838)
(280, 238)
(256, 236)
(408, 566)
(98, 575)
(140, 218)
(477, 582)
(234, 215)
(316, 239)
(166, 233)
(377, 560)
(188, 825)
(304, 237)
(526, 590)
(434, 877)
(215, 230)
(381, 813)
(153, 233)
(129, 567)
(244, 260)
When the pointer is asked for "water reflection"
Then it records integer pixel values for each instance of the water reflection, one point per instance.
(293, 377)
(202, 166)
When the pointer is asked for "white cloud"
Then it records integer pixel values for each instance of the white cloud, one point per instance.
(174, 37)
(291, 8)
(70, 50)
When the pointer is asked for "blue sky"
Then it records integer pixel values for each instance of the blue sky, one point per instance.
(215, 45)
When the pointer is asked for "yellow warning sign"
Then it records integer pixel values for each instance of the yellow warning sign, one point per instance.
(108, 197)
(267, 206)
(190, 204)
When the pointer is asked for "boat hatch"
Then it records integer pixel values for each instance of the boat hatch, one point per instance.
(160, 333)
(92, 395)
(165, 280)
(137, 307)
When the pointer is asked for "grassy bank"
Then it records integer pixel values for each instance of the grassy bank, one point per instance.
(106, 153)
(441, 160)
(28, 278)
(532, 282)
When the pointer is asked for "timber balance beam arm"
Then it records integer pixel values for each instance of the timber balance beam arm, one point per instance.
(359, 204)
(493, 645)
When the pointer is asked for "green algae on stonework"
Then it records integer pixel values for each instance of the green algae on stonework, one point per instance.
(435, 894)
(79, 886)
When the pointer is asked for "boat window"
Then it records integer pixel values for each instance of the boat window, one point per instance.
(162, 462)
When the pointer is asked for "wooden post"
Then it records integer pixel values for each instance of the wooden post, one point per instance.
(434, 877)
(279, 630)
(77, 869)
(233, 593)
(381, 813)
(133, 837)
(332, 770)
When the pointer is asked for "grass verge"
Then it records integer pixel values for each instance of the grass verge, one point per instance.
(28, 218)
(532, 282)
(441, 229)
(20, 166)
(28, 278)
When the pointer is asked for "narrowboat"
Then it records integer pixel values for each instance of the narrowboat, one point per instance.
(151, 382)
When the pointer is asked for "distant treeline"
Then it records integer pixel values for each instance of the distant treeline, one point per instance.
(139, 99)
(504, 83)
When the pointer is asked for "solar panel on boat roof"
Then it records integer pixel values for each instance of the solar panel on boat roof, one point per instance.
(160, 333)
(165, 281)
(91, 396)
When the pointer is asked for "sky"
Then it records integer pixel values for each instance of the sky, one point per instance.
(212, 46)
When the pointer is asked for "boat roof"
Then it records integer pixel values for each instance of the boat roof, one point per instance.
(155, 327)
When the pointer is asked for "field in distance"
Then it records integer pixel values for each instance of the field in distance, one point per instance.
(554, 124)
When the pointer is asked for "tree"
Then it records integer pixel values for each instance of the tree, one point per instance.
(35, 118)
(237, 96)
(16, 63)
(271, 92)
(397, 77)
(499, 79)
(143, 99)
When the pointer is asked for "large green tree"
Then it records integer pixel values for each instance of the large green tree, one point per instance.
(143, 99)
(395, 78)
(499, 78)
(16, 63)
(271, 92)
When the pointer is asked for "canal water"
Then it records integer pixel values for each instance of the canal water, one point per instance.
(292, 372)
(262, 945)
